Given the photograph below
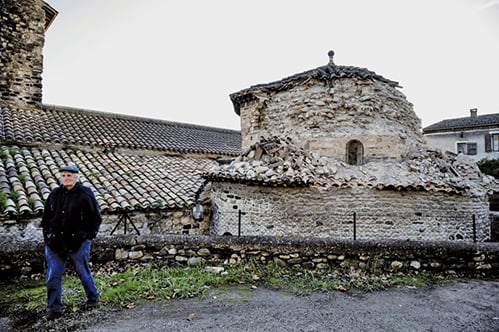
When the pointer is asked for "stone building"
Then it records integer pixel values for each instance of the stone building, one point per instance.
(337, 151)
(332, 152)
(146, 174)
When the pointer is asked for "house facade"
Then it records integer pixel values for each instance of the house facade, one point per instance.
(476, 135)
(337, 151)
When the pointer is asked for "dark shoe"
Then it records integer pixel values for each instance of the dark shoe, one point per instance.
(90, 305)
(51, 315)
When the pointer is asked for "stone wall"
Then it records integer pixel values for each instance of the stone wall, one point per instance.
(318, 212)
(482, 260)
(21, 60)
(170, 222)
(325, 119)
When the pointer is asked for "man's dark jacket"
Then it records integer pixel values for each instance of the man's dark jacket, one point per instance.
(70, 217)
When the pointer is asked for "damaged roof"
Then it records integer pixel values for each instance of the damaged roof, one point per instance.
(327, 74)
(279, 162)
(131, 163)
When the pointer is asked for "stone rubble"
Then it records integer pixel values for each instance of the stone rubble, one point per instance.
(279, 161)
(274, 161)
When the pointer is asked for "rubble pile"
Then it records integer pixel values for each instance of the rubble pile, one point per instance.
(421, 170)
(278, 161)
(272, 161)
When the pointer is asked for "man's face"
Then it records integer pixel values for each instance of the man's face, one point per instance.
(69, 179)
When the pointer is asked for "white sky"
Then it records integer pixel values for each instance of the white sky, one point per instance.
(179, 60)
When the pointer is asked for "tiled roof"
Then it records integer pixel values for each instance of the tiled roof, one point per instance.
(71, 126)
(479, 122)
(131, 163)
(50, 14)
(327, 73)
(120, 181)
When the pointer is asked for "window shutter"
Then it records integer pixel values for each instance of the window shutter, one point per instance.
(488, 143)
(471, 149)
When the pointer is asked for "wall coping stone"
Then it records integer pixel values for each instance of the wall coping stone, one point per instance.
(28, 257)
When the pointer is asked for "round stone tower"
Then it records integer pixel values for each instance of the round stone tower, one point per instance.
(342, 112)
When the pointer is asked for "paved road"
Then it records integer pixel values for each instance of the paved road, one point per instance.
(461, 306)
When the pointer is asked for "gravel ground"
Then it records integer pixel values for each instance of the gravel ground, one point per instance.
(463, 305)
(459, 306)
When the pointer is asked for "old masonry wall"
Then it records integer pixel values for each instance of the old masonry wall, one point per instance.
(361, 213)
(125, 251)
(324, 120)
(21, 60)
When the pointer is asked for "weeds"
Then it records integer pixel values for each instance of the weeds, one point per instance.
(3, 200)
(419, 281)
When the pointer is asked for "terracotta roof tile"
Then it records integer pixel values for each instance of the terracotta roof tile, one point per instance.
(71, 126)
(120, 181)
(122, 158)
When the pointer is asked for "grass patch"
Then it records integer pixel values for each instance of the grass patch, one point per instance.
(420, 281)
(25, 300)
(139, 285)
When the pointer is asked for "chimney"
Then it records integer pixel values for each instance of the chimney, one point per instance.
(473, 112)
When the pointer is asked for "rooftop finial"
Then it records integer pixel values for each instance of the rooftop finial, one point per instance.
(331, 56)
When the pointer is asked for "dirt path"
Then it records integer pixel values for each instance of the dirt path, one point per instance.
(459, 306)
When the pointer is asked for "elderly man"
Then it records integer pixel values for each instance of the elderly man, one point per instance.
(70, 222)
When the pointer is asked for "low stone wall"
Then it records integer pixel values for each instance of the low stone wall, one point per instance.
(480, 259)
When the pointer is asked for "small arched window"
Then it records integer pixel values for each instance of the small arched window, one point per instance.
(355, 152)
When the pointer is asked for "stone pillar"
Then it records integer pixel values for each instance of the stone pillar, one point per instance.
(22, 35)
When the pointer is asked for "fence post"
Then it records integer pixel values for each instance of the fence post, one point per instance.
(354, 225)
(239, 223)
(474, 228)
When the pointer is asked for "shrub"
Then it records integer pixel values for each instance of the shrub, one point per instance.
(489, 167)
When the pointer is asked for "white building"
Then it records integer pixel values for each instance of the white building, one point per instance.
(476, 135)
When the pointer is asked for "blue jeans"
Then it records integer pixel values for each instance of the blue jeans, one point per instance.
(56, 263)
